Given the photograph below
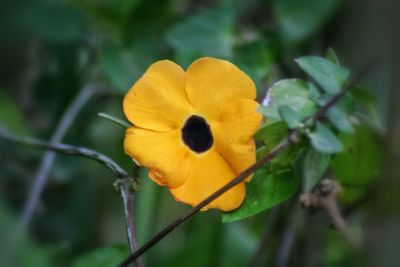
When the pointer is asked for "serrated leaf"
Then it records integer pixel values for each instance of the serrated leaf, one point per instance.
(289, 116)
(360, 156)
(293, 93)
(264, 191)
(328, 75)
(315, 165)
(324, 140)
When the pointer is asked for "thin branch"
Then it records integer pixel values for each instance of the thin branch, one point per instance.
(67, 149)
(48, 159)
(126, 190)
(240, 178)
(113, 119)
(325, 197)
(125, 184)
(292, 137)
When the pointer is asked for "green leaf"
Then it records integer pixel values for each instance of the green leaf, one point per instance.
(103, 257)
(119, 66)
(264, 191)
(324, 140)
(299, 19)
(358, 163)
(289, 116)
(332, 57)
(293, 93)
(327, 74)
(350, 194)
(338, 117)
(315, 165)
(207, 33)
(11, 116)
(271, 133)
(53, 21)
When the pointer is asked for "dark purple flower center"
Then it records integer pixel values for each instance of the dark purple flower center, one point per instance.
(196, 134)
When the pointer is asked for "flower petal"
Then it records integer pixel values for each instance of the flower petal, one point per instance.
(157, 101)
(233, 134)
(211, 84)
(207, 173)
(162, 152)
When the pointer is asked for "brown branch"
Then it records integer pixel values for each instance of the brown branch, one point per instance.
(125, 184)
(325, 197)
(292, 137)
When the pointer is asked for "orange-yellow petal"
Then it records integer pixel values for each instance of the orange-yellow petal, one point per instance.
(157, 101)
(162, 152)
(207, 173)
(212, 84)
(233, 134)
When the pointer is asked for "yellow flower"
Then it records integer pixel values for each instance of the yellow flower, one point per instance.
(193, 130)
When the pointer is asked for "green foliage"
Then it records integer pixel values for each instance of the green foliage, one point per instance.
(103, 257)
(324, 140)
(360, 155)
(295, 19)
(266, 190)
(290, 116)
(208, 33)
(53, 21)
(327, 74)
(314, 166)
(291, 92)
(10, 116)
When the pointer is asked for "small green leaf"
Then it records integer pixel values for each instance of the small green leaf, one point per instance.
(332, 57)
(315, 165)
(338, 117)
(264, 191)
(293, 93)
(327, 74)
(271, 133)
(360, 156)
(102, 257)
(324, 140)
(11, 116)
(289, 116)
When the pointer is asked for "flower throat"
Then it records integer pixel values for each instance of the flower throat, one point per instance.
(196, 134)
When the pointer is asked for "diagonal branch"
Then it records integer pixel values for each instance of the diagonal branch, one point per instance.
(291, 138)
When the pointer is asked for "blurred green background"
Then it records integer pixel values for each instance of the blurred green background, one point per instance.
(51, 50)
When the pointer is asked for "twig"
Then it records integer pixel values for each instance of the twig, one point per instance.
(113, 119)
(125, 184)
(125, 187)
(292, 137)
(67, 149)
(325, 197)
(48, 159)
